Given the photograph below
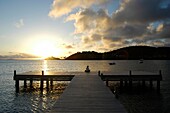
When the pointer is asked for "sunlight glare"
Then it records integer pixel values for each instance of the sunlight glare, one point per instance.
(45, 47)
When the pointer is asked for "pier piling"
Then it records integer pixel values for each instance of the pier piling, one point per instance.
(158, 86)
(17, 86)
(31, 83)
(42, 82)
(121, 84)
(51, 82)
(47, 84)
(16, 83)
(99, 73)
(151, 84)
(126, 84)
(143, 84)
(25, 83)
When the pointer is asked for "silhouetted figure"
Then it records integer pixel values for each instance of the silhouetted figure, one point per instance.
(87, 69)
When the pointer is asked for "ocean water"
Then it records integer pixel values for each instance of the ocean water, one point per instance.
(35, 101)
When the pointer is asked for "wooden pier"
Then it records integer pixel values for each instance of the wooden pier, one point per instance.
(87, 94)
(124, 77)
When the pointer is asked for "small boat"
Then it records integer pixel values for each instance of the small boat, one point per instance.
(112, 63)
(141, 61)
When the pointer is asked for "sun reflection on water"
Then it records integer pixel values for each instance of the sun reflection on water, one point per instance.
(45, 67)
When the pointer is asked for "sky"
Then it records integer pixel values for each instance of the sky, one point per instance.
(30, 28)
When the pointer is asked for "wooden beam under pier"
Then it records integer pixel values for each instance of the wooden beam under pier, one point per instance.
(137, 76)
(39, 77)
(132, 76)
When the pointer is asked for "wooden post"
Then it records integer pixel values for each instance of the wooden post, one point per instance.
(160, 72)
(126, 84)
(130, 80)
(16, 83)
(130, 84)
(101, 75)
(41, 82)
(121, 84)
(25, 83)
(158, 86)
(143, 84)
(130, 72)
(107, 82)
(14, 74)
(47, 84)
(116, 92)
(51, 82)
(151, 84)
(17, 86)
(98, 73)
(31, 81)
(158, 82)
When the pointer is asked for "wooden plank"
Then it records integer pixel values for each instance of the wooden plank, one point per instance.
(45, 77)
(135, 75)
(87, 94)
(131, 77)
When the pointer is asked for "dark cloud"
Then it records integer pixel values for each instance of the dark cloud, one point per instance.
(136, 22)
(141, 11)
(128, 31)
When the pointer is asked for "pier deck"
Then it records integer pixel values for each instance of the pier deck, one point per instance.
(87, 94)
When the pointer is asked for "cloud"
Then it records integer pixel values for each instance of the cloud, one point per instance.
(69, 47)
(141, 11)
(97, 27)
(163, 31)
(160, 27)
(62, 7)
(135, 22)
(12, 55)
(19, 24)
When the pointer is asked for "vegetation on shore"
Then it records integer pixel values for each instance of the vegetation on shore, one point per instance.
(52, 58)
(126, 53)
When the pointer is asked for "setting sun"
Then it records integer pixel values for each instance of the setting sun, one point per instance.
(44, 46)
(44, 49)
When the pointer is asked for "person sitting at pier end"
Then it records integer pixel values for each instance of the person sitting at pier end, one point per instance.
(87, 69)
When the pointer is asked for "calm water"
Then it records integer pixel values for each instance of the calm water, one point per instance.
(41, 102)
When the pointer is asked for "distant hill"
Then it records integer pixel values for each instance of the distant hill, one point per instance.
(126, 53)
(86, 55)
(52, 58)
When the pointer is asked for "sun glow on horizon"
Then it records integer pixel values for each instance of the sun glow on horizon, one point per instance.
(45, 46)
(44, 49)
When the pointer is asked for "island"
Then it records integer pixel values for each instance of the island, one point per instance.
(126, 53)
(52, 58)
